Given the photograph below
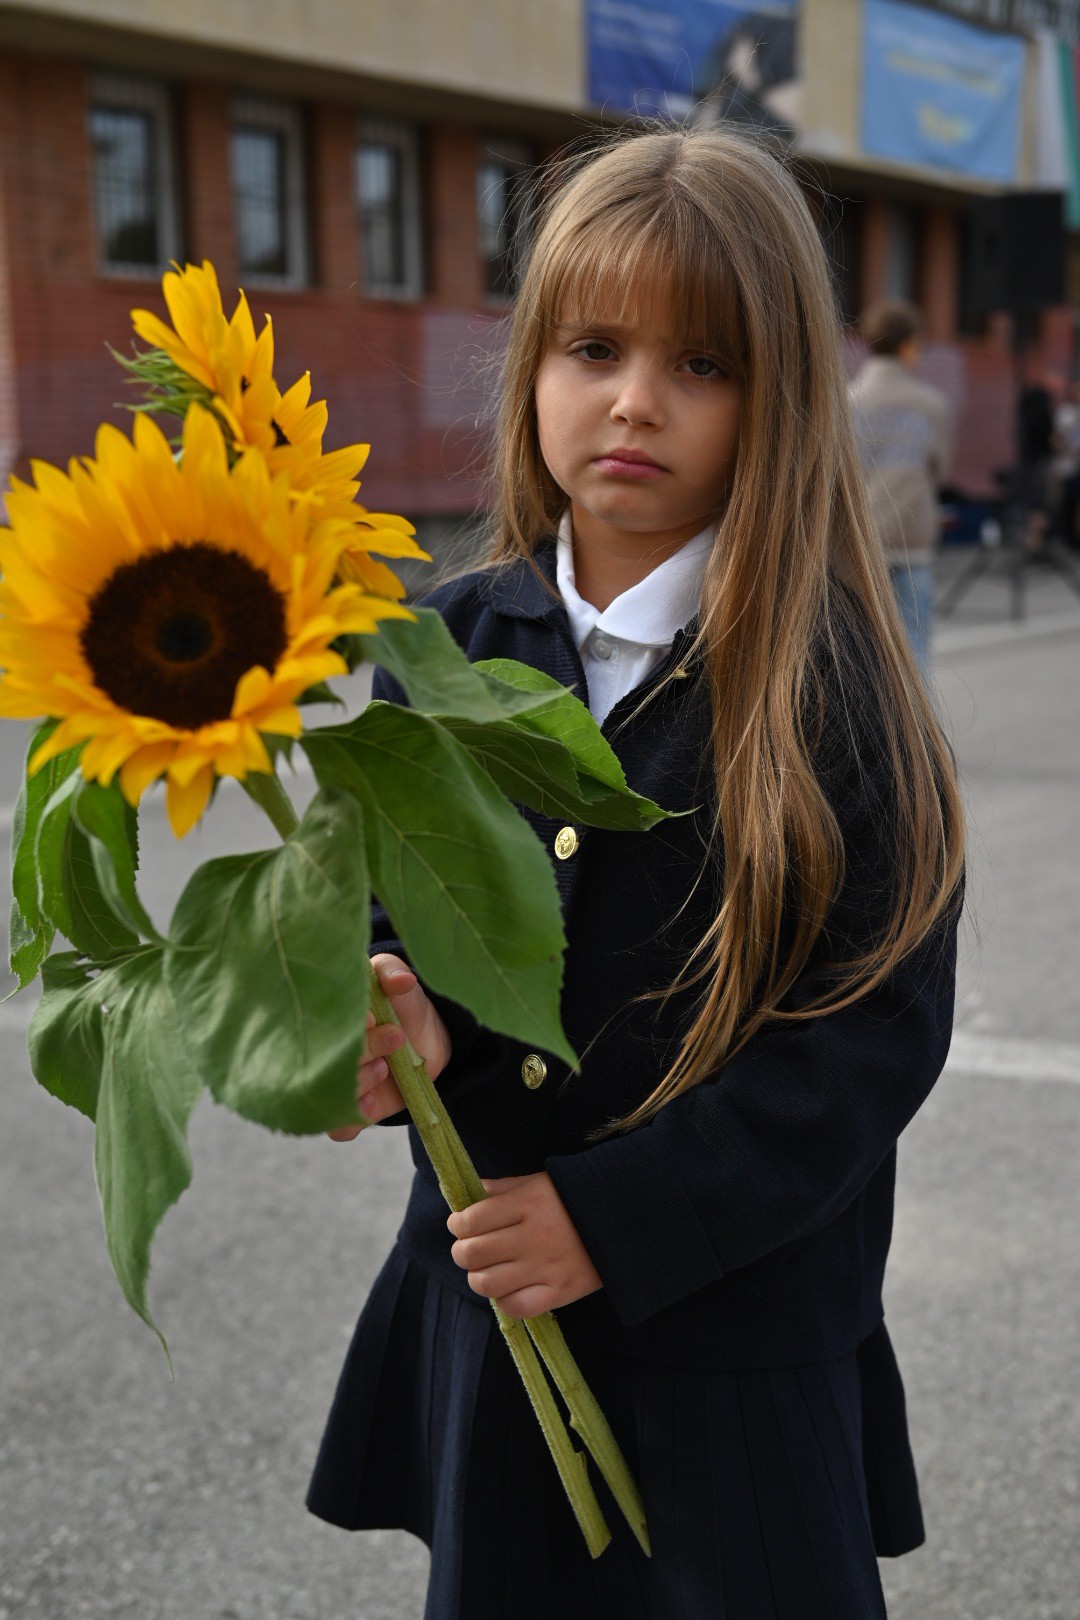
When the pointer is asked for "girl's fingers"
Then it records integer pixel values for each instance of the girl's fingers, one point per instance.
(380, 1101)
(395, 979)
(345, 1133)
(493, 1282)
(492, 1249)
(383, 1039)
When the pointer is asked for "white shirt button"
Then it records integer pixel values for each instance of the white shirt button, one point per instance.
(601, 648)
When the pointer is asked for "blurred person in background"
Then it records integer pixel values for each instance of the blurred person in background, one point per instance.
(904, 431)
(1037, 444)
(1067, 463)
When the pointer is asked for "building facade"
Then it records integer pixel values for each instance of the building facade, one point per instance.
(357, 171)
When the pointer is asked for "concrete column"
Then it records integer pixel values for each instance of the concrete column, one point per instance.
(334, 225)
(454, 268)
(939, 271)
(875, 250)
(209, 223)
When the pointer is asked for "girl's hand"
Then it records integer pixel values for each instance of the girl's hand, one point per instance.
(521, 1248)
(377, 1092)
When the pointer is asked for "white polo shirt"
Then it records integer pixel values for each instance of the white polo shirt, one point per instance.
(622, 644)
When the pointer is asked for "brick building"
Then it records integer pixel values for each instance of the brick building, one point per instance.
(354, 170)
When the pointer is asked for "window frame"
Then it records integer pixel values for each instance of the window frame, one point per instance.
(404, 138)
(515, 156)
(116, 91)
(284, 118)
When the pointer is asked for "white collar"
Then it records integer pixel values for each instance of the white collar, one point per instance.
(650, 612)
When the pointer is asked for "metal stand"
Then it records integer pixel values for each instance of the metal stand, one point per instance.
(1004, 552)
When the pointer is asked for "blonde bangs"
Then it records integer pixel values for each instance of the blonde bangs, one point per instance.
(636, 265)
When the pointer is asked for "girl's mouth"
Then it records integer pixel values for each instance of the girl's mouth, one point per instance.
(633, 464)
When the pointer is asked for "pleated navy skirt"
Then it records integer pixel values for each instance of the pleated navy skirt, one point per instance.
(768, 1494)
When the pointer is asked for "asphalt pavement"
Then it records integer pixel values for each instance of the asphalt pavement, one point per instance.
(127, 1495)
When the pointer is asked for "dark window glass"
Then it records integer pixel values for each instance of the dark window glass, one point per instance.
(841, 232)
(902, 252)
(382, 215)
(258, 180)
(125, 185)
(501, 209)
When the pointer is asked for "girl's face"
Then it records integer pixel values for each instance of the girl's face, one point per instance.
(639, 429)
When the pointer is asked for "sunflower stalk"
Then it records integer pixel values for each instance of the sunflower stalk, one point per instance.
(461, 1186)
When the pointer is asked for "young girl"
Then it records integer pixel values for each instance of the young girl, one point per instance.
(761, 990)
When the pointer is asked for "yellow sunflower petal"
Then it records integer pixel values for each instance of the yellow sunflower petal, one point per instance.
(375, 577)
(104, 755)
(251, 690)
(345, 463)
(143, 768)
(285, 721)
(185, 801)
(68, 734)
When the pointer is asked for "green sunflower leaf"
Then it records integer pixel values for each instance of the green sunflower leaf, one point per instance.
(539, 771)
(113, 829)
(465, 881)
(427, 662)
(31, 930)
(71, 895)
(110, 1044)
(564, 717)
(534, 737)
(603, 798)
(267, 962)
(65, 1038)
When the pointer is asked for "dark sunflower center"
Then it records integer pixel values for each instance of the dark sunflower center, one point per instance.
(170, 635)
(185, 637)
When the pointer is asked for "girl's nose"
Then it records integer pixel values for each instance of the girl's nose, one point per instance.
(638, 401)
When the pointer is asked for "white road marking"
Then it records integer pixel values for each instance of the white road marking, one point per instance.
(1009, 1057)
(953, 639)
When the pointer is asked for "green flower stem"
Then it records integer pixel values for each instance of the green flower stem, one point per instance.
(571, 1463)
(589, 1421)
(461, 1186)
(266, 789)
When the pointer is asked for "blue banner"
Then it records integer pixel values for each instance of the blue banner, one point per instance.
(940, 92)
(661, 57)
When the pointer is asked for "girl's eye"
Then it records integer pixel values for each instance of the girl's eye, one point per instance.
(700, 365)
(594, 350)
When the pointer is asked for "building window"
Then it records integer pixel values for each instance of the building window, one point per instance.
(841, 232)
(388, 197)
(901, 252)
(501, 181)
(266, 153)
(134, 173)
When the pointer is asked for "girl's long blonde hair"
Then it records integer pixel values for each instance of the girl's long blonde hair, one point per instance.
(714, 224)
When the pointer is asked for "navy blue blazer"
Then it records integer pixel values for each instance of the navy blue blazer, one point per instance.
(747, 1225)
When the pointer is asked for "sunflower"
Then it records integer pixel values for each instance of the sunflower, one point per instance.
(170, 614)
(236, 368)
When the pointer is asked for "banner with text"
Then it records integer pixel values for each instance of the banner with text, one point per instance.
(657, 58)
(939, 92)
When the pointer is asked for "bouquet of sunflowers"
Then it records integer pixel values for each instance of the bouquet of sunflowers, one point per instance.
(167, 606)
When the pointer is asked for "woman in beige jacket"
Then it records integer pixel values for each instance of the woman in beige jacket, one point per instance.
(905, 441)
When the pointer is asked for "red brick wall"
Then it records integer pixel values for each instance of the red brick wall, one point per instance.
(392, 372)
